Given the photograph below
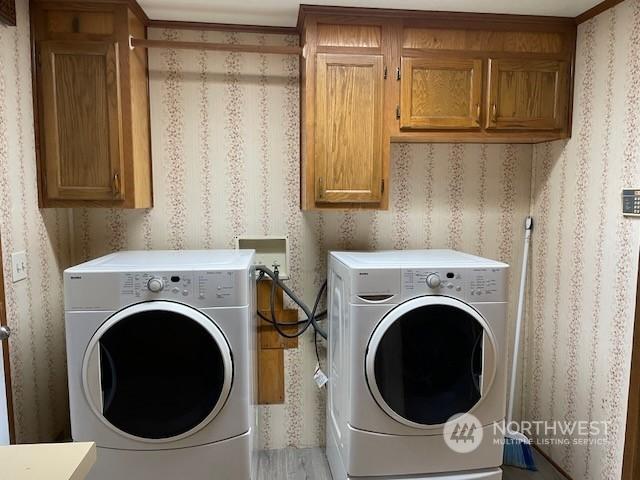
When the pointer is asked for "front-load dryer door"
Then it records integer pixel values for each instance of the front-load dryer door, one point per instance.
(429, 359)
(157, 371)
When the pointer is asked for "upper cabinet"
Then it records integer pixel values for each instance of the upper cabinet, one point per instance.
(438, 92)
(91, 103)
(371, 77)
(527, 94)
(82, 129)
(345, 141)
(349, 142)
(484, 78)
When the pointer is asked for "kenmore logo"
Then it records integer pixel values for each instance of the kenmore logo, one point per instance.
(75, 278)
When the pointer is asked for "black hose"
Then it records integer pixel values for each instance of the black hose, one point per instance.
(311, 314)
(274, 319)
(272, 302)
(319, 316)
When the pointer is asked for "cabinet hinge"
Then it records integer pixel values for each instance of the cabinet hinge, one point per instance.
(320, 190)
(39, 57)
(382, 186)
(398, 111)
(385, 72)
(398, 73)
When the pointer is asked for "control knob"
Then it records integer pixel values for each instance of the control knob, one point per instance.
(155, 284)
(433, 280)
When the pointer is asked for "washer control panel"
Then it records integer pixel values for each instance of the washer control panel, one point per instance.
(143, 284)
(204, 288)
(472, 284)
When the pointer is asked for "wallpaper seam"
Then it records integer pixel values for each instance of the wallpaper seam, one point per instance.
(576, 282)
(602, 213)
(619, 351)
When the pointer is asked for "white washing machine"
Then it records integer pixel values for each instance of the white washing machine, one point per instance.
(160, 350)
(415, 337)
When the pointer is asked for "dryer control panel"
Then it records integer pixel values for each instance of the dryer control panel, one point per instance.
(216, 288)
(470, 284)
(205, 289)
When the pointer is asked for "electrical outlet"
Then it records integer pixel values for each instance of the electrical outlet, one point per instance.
(18, 266)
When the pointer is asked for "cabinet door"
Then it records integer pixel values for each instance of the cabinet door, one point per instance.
(440, 93)
(527, 94)
(349, 128)
(82, 132)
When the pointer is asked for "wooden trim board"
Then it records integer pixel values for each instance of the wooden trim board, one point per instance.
(224, 27)
(271, 345)
(225, 47)
(469, 19)
(631, 460)
(271, 376)
(596, 10)
(5, 359)
(133, 5)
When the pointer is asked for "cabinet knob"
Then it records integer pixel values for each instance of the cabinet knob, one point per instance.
(477, 112)
(494, 112)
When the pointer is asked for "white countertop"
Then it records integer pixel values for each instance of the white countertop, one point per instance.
(47, 461)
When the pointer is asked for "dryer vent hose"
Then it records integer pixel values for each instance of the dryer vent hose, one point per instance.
(312, 316)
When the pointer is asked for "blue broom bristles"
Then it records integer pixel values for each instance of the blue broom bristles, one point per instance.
(518, 453)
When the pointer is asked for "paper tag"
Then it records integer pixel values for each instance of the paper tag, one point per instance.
(319, 376)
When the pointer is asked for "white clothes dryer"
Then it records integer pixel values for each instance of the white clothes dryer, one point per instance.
(415, 338)
(160, 350)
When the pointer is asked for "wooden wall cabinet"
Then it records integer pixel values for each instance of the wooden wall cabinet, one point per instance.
(370, 77)
(440, 93)
(345, 142)
(484, 78)
(349, 142)
(91, 103)
(82, 120)
(527, 94)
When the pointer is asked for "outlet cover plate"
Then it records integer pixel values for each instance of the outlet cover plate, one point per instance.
(18, 266)
(270, 250)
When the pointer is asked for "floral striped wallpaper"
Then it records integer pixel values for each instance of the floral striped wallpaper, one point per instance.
(225, 140)
(585, 253)
(226, 162)
(34, 306)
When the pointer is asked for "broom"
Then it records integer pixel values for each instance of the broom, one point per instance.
(518, 451)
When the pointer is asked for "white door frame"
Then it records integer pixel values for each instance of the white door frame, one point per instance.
(7, 427)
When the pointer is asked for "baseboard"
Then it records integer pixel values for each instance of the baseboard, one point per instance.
(552, 462)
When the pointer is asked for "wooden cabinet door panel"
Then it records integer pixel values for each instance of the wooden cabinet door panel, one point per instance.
(81, 120)
(440, 93)
(349, 128)
(527, 94)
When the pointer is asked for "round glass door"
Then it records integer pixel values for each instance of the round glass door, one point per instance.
(429, 359)
(157, 371)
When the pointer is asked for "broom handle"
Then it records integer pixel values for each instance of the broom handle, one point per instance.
(528, 225)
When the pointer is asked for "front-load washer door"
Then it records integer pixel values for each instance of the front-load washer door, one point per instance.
(157, 371)
(429, 359)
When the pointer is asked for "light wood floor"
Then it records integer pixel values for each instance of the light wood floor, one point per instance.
(311, 464)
